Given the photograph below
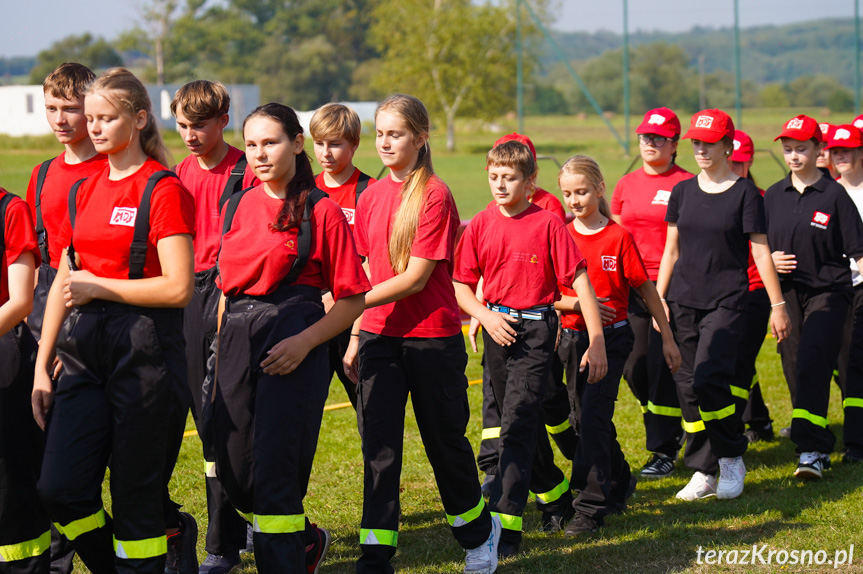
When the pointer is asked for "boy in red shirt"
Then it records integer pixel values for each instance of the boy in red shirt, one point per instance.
(522, 252)
(335, 130)
(213, 172)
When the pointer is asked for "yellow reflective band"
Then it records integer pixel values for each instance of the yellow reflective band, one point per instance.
(643, 409)
(375, 537)
(814, 419)
(508, 521)
(248, 516)
(210, 469)
(694, 427)
(754, 380)
(717, 415)
(664, 411)
(26, 549)
(465, 517)
(137, 549)
(493, 432)
(279, 523)
(82, 526)
(557, 429)
(852, 402)
(553, 494)
(739, 392)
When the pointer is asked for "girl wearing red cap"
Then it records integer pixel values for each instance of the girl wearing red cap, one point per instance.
(814, 227)
(639, 203)
(711, 220)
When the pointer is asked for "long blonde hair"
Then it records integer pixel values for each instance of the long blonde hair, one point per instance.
(126, 93)
(415, 115)
(587, 167)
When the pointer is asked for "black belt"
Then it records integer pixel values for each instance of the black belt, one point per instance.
(537, 313)
(606, 329)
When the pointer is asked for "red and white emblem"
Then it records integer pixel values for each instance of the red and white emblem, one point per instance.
(609, 263)
(124, 216)
(820, 219)
(794, 124)
(704, 122)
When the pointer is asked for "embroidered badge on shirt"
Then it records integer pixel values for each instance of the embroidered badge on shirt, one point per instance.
(289, 244)
(820, 220)
(349, 214)
(661, 197)
(609, 263)
(124, 216)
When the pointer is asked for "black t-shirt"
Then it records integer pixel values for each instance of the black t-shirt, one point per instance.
(714, 233)
(821, 226)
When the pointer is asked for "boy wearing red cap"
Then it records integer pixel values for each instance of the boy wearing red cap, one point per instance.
(639, 203)
(812, 224)
(711, 220)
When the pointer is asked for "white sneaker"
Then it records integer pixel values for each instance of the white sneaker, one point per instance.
(812, 465)
(731, 474)
(700, 486)
(483, 558)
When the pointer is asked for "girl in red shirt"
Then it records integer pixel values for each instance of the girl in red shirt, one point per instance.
(114, 318)
(411, 342)
(271, 376)
(599, 470)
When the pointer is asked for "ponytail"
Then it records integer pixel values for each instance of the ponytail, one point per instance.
(587, 167)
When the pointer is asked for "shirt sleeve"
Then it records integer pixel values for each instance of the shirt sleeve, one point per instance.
(850, 225)
(172, 210)
(566, 256)
(753, 211)
(343, 272)
(20, 234)
(437, 226)
(617, 198)
(672, 213)
(467, 267)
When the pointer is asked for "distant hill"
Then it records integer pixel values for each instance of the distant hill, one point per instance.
(769, 54)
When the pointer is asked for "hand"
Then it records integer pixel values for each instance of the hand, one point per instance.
(606, 313)
(672, 355)
(350, 362)
(559, 333)
(780, 324)
(80, 288)
(498, 326)
(472, 331)
(286, 356)
(56, 369)
(784, 263)
(667, 316)
(596, 360)
(41, 397)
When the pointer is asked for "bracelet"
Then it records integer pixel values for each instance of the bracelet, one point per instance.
(777, 304)
(663, 300)
(352, 335)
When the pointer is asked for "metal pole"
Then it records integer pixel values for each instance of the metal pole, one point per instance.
(626, 75)
(519, 68)
(739, 121)
(857, 57)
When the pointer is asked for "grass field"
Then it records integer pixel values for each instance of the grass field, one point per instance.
(658, 533)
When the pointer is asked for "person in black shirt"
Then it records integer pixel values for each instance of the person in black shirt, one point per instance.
(711, 220)
(814, 227)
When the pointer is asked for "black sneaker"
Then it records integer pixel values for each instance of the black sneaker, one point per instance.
(582, 524)
(812, 465)
(659, 466)
(182, 557)
(552, 522)
(317, 551)
(219, 563)
(507, 549)
(758, 434)
(852, 455)
(250, 541)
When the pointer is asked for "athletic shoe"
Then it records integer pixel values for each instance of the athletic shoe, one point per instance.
(219, 563)
(700, 486)
(785, 432)
(551, 522)
(758, 434)
(582, 524)
(317, 551)
(182, 557)
(250, 540)
(483, 558)
(812, 465)
(486, 486)
(659, 466)
(852, 455)
(507, 549)
(731, 474)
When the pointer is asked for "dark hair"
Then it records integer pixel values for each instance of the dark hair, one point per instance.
(674, 155)
(69, 81)
(303, 182)
(201, 100)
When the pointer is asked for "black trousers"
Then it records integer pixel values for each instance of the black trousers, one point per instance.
(24, 525)
(599, 471)
(336, 349)
(756, 318)
(521, 376)
(708, 340)
(651, 382)
(226, 529)
(265, 427)
(432, 371)
(809, 355)
(44, 279)
(114, 402)
(851, 372)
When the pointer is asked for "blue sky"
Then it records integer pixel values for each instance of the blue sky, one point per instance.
(36, 24)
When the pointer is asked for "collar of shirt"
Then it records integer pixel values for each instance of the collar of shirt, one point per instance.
(820, 185)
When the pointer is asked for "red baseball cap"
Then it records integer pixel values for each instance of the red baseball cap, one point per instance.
(858, 122)
(515, 137)
(801, 128)
(846, 135)
(710, 126)
(661, 121)
(744, 149)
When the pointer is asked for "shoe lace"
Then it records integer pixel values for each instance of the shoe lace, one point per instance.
(479, 556)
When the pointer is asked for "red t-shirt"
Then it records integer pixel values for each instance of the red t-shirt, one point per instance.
(545, 200)
(345, 195)
(105, 220)
(641, 201)
(254, 260)
(613, 265)
(755, 281)
(19, 238)
(522, 258)
(433, 312)
(60, 178)
(206, 187)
